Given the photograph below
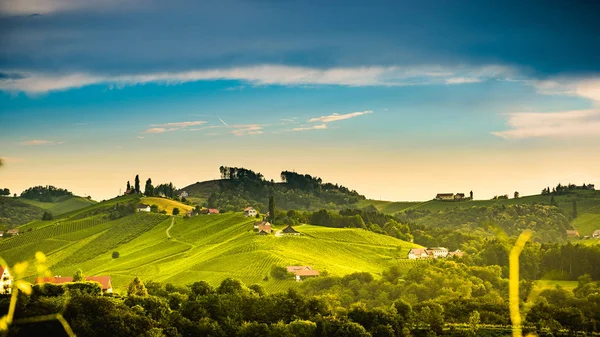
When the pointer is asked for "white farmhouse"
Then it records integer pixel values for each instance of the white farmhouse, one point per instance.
(250, 212)
(438, 252)
(417, 253)
(143, 208)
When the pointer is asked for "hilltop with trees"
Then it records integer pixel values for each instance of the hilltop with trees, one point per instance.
(45, 193)
(240, 187)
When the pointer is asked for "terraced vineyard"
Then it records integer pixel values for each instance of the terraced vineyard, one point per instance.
(205, 247)
(48, 232)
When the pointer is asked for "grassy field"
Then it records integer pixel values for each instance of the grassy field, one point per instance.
(551, 284)
(587, 202)
(63, 205)
(587, 223)
(206, 247)
(166, 204)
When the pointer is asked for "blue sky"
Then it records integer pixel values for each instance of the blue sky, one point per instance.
(442, 96)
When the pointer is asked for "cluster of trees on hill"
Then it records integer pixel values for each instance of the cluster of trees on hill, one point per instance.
(239, 173)
(162, 190)
(562, 189)
(307, 182)
(243, 187)
(443, 298)
(45, 193)
(4, 192)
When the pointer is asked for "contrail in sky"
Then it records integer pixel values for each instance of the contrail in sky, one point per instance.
(223, 122)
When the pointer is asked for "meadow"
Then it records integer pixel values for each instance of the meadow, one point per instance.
(166, 205)
(62, 205)
(205, 247)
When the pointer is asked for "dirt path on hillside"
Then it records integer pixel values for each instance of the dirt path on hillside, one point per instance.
(168, 229)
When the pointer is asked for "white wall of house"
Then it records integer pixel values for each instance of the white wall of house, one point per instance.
(439, 252)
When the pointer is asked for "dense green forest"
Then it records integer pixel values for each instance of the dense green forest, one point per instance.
(443, 297)
(241, 187)
(45, 193)
(548, 222)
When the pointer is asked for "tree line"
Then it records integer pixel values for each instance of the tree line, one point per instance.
(563, 189)
(47, 193)
(441, 298)
(162, 190)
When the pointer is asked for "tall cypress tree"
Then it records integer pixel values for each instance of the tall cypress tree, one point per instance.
(171, 190)
(128, 187)
(271, 209)
(137, 184)
(149, 189)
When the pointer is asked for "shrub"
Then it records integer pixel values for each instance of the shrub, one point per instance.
(47, 216)
(88, 287)
(115, 255)
(175, 211)
(279, 273)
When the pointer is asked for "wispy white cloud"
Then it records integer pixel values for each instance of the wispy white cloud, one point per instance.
(21, 7)
(306, 128)
(155, 130)
(180, 124)
(572, 124)
(172, 126)
(247, 129)
(462, 80)
(236, 129)
(140, 137)
(337, 117)
(266, 75)
(36, 142)
(588, 88)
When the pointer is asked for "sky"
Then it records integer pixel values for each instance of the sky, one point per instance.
(399, 100)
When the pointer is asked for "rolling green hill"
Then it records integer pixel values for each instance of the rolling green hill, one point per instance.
(14, 212)
(206, 247)
(587, 202)
(61, 205)
(18, 211)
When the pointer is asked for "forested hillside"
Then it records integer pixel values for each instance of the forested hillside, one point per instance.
(240, 187)
(35, 201)
(14, 212)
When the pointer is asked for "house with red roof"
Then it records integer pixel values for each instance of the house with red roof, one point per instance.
(417, 253)
(104, 281)
(263, 226)
(444, 196)
(302, 272)
(209, 211)
(5, 280)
